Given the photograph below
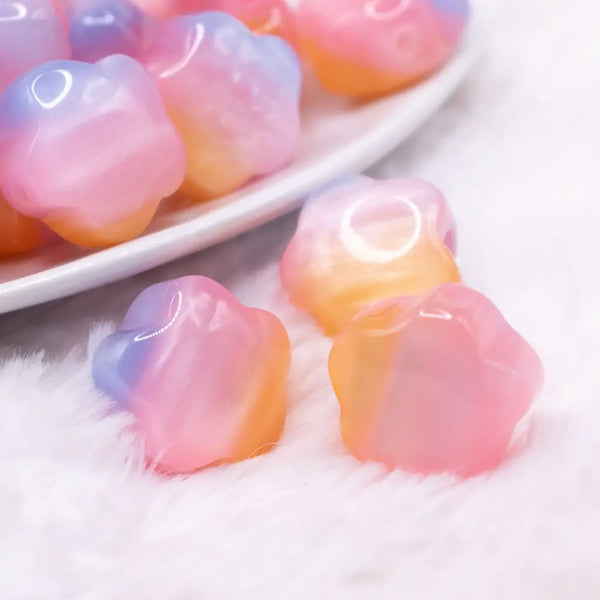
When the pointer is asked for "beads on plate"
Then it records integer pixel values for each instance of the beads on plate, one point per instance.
(203, 375)
(233, 96)
(18, 233)
(31, 32)
(371, 47)
(99, 28)
(88, 149)
(434, 384)
(362, 240)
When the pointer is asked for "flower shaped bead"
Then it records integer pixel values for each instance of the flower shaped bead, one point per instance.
(31, 32)
(18, 233)
(99, 28)
(203, 375)
(233, 96)
(362, 240)
(271, 17)
(434, 384)
(89, 149)
(371, 47)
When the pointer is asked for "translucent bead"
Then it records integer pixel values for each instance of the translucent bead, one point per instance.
(203, 375)
(233, 96)
(433, 384)
(100, 144)
(361, 240)
(371, 47)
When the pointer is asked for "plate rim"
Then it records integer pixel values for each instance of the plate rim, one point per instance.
(228, 217)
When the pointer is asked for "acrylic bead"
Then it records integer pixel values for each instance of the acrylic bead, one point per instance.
(371, 47)
(360, 240)
(203, 375)
(434, 384)
(89, 149)
(261, 16)
(31, 32)
(233, 96)
(99, 28)
(271, 17)
(18, 233)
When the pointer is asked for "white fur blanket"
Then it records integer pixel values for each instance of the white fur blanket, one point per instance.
(517, 153)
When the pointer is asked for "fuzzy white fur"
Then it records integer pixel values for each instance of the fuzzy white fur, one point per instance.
(517, 153)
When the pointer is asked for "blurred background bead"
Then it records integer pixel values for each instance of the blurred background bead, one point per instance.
(99, 28)
(233, 96)
(31, 32)
(371, 47)
(361, 240)
(18, 233)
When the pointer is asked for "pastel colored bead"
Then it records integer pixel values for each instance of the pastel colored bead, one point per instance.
(372, 47)
(160, 9)
(19, 234)
(360, 240)
(89, 149)
(203, 375)
(99, 28)
(434, 384)
(271, 17)
(31, 32)
(233, 96)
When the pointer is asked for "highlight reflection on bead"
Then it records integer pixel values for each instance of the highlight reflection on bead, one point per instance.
(271, 17)
(18, 233)
(203, 375)
(233, 96)
(89, 149)
(31, 32)
(433, 384)
(99, 28)
(362, 240)
(371, 47)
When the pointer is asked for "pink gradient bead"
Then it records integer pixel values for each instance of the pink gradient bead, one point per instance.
(433, 384)
(370, 47)
(233, 96)
(271, 17)
(361, 240)
(31, 32)
(88, 149)
(262, 16)
(203, 375)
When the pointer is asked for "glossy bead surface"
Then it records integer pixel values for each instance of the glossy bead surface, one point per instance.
(99, 28)
(371, 47)
(434, 384)
(272, 17)
(88, 149)
(203, 375)
(233, 96)
(361, 240)
(31, 32)
(19, 234)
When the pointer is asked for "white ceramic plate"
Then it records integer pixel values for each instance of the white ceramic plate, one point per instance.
(339, 138)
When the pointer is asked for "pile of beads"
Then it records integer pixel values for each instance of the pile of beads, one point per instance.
(429, 375)
(207, 99)
(196, 103)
